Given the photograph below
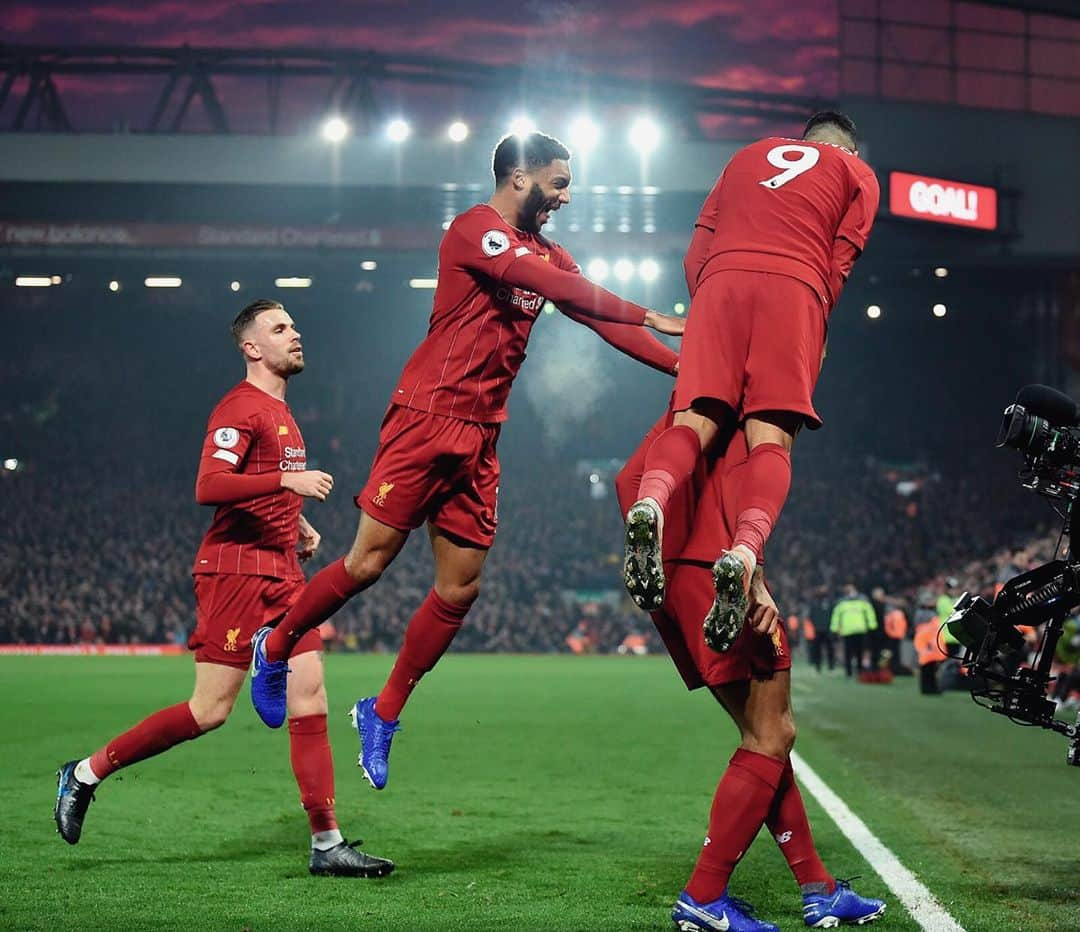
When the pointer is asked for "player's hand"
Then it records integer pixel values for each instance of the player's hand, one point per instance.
(664, 323)
(308, 543)
(311, 483)
(763, 615)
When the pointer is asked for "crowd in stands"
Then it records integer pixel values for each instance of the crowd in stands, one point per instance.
(101, 527)
(104, 554)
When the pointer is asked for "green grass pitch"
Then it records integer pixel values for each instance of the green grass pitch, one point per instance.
(526, 793)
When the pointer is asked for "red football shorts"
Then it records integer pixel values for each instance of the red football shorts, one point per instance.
(230, 608)
(430, 467)
(753, 340)
(690, 596)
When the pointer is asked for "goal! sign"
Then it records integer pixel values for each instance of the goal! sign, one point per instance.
(941, 201)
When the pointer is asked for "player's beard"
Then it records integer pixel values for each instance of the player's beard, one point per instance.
(290, 365)
(535, 201)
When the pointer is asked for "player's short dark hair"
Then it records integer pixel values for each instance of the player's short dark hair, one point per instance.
(530, 152)
(248, 314)
(832, 118)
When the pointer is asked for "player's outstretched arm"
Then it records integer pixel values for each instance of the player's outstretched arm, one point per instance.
(635, 342)
(572, 290)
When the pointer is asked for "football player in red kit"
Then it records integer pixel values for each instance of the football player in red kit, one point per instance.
(752, 681)
(773, 245)
(436, 461)
(247, 574)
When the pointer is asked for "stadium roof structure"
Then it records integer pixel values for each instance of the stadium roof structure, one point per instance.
(353, 84)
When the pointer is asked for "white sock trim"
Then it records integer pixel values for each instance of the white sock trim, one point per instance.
(84, 773)
(324, 841)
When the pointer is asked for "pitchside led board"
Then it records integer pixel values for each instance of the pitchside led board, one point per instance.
(941, 201)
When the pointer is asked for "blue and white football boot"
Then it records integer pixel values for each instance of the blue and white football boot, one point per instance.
(843, 905)
(267, 681)
(727, 914)
(375, 736)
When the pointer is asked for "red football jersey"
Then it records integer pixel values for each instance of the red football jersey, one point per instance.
(253, 433)
(780, 205)
(479, 325)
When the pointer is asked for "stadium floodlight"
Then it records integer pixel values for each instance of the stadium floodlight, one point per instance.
(398, 130)
(597, 269)
(423, 282)
(11, 464)
(335, 129)
(292, 281)
(458, 131)
(33, 281)
(941, 272)
(522, 125)
(873, 312)
(648, 270)
(644, 135)
(369, 265)
(940, 310)
(624, 270)
(163, 281)
(679, 308)
(114, 285)
(234, 286)
(584, 135)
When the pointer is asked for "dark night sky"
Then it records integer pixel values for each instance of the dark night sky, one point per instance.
(768, 45)
(779, 46)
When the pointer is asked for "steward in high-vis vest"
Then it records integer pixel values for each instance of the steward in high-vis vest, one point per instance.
(852, 619)
(929, 649)
(895, 625)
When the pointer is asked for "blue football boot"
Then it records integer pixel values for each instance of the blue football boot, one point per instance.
(375, 736)
(726, 914)
(843, 905)
(267, 681)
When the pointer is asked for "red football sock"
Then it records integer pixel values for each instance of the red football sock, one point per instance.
(313, 767)
(161, 731)
(669, 463)
(789, 826)
(324, 594)
(739, 808)
(764, 482)
(427, 637)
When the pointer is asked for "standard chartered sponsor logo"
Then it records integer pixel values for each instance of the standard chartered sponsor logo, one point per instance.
(526, 300)
(295, 459)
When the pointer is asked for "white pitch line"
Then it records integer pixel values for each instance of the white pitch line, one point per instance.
(917, 900)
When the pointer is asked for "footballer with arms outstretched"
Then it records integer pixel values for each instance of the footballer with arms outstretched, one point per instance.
(772, 247)
(436, 461)
(247, 574)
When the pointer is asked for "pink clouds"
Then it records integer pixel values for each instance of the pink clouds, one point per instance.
(779, 46)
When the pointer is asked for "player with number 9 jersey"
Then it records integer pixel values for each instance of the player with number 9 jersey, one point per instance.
(796, 214)
(772, 247)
